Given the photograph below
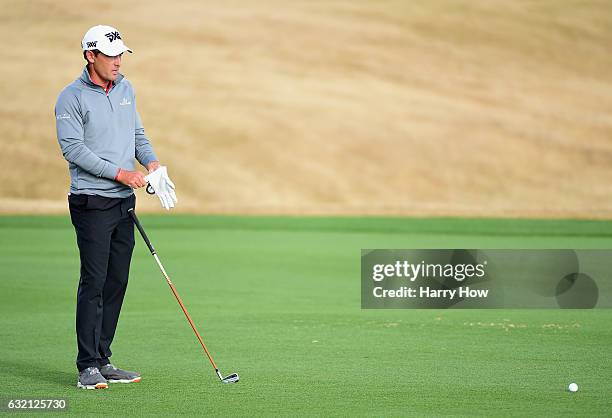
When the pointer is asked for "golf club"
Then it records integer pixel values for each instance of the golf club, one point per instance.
(232, 378)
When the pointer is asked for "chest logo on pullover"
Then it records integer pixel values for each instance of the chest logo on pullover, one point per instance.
(125, 102)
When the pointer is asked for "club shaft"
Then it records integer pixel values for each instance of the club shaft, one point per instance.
(141, 230)
(172, 288)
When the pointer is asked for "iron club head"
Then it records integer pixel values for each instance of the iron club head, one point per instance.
(232, 378)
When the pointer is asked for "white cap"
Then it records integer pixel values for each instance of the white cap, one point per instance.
(105, 39)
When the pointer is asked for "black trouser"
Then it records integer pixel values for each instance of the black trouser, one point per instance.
(105, 236)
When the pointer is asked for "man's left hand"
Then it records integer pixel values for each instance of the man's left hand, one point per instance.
(152, 166)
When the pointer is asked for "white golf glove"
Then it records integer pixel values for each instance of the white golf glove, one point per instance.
(163, 187)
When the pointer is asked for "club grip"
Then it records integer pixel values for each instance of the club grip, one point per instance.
(141, 230)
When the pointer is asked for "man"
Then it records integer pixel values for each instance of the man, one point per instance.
(100, 133)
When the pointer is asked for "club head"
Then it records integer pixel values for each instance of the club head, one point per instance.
(232, 378)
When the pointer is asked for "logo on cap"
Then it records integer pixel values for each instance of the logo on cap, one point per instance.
(92, 44)
(112, 36)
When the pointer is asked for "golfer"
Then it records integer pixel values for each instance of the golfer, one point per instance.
(100, 134)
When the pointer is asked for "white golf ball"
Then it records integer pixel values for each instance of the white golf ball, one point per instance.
(573, 387)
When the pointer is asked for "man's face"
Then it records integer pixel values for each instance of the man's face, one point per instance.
(106, 67)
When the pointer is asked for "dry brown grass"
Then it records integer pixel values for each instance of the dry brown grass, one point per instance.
(470, 108)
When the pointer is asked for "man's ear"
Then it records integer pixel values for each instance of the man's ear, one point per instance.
(90, 57)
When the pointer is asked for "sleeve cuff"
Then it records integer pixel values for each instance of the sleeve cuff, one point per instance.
(148, 159)
(110, 171)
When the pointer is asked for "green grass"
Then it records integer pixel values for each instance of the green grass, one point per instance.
(278, 301)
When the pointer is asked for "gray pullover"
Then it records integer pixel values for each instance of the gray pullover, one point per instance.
(100, 133)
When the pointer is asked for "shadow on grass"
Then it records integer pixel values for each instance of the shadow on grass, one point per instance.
(37, 372)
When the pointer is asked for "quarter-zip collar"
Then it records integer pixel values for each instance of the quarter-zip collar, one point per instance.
(86, 79)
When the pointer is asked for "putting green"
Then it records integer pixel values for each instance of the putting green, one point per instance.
(277, 300)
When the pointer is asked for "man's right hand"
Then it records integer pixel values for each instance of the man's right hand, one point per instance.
(134, 179)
